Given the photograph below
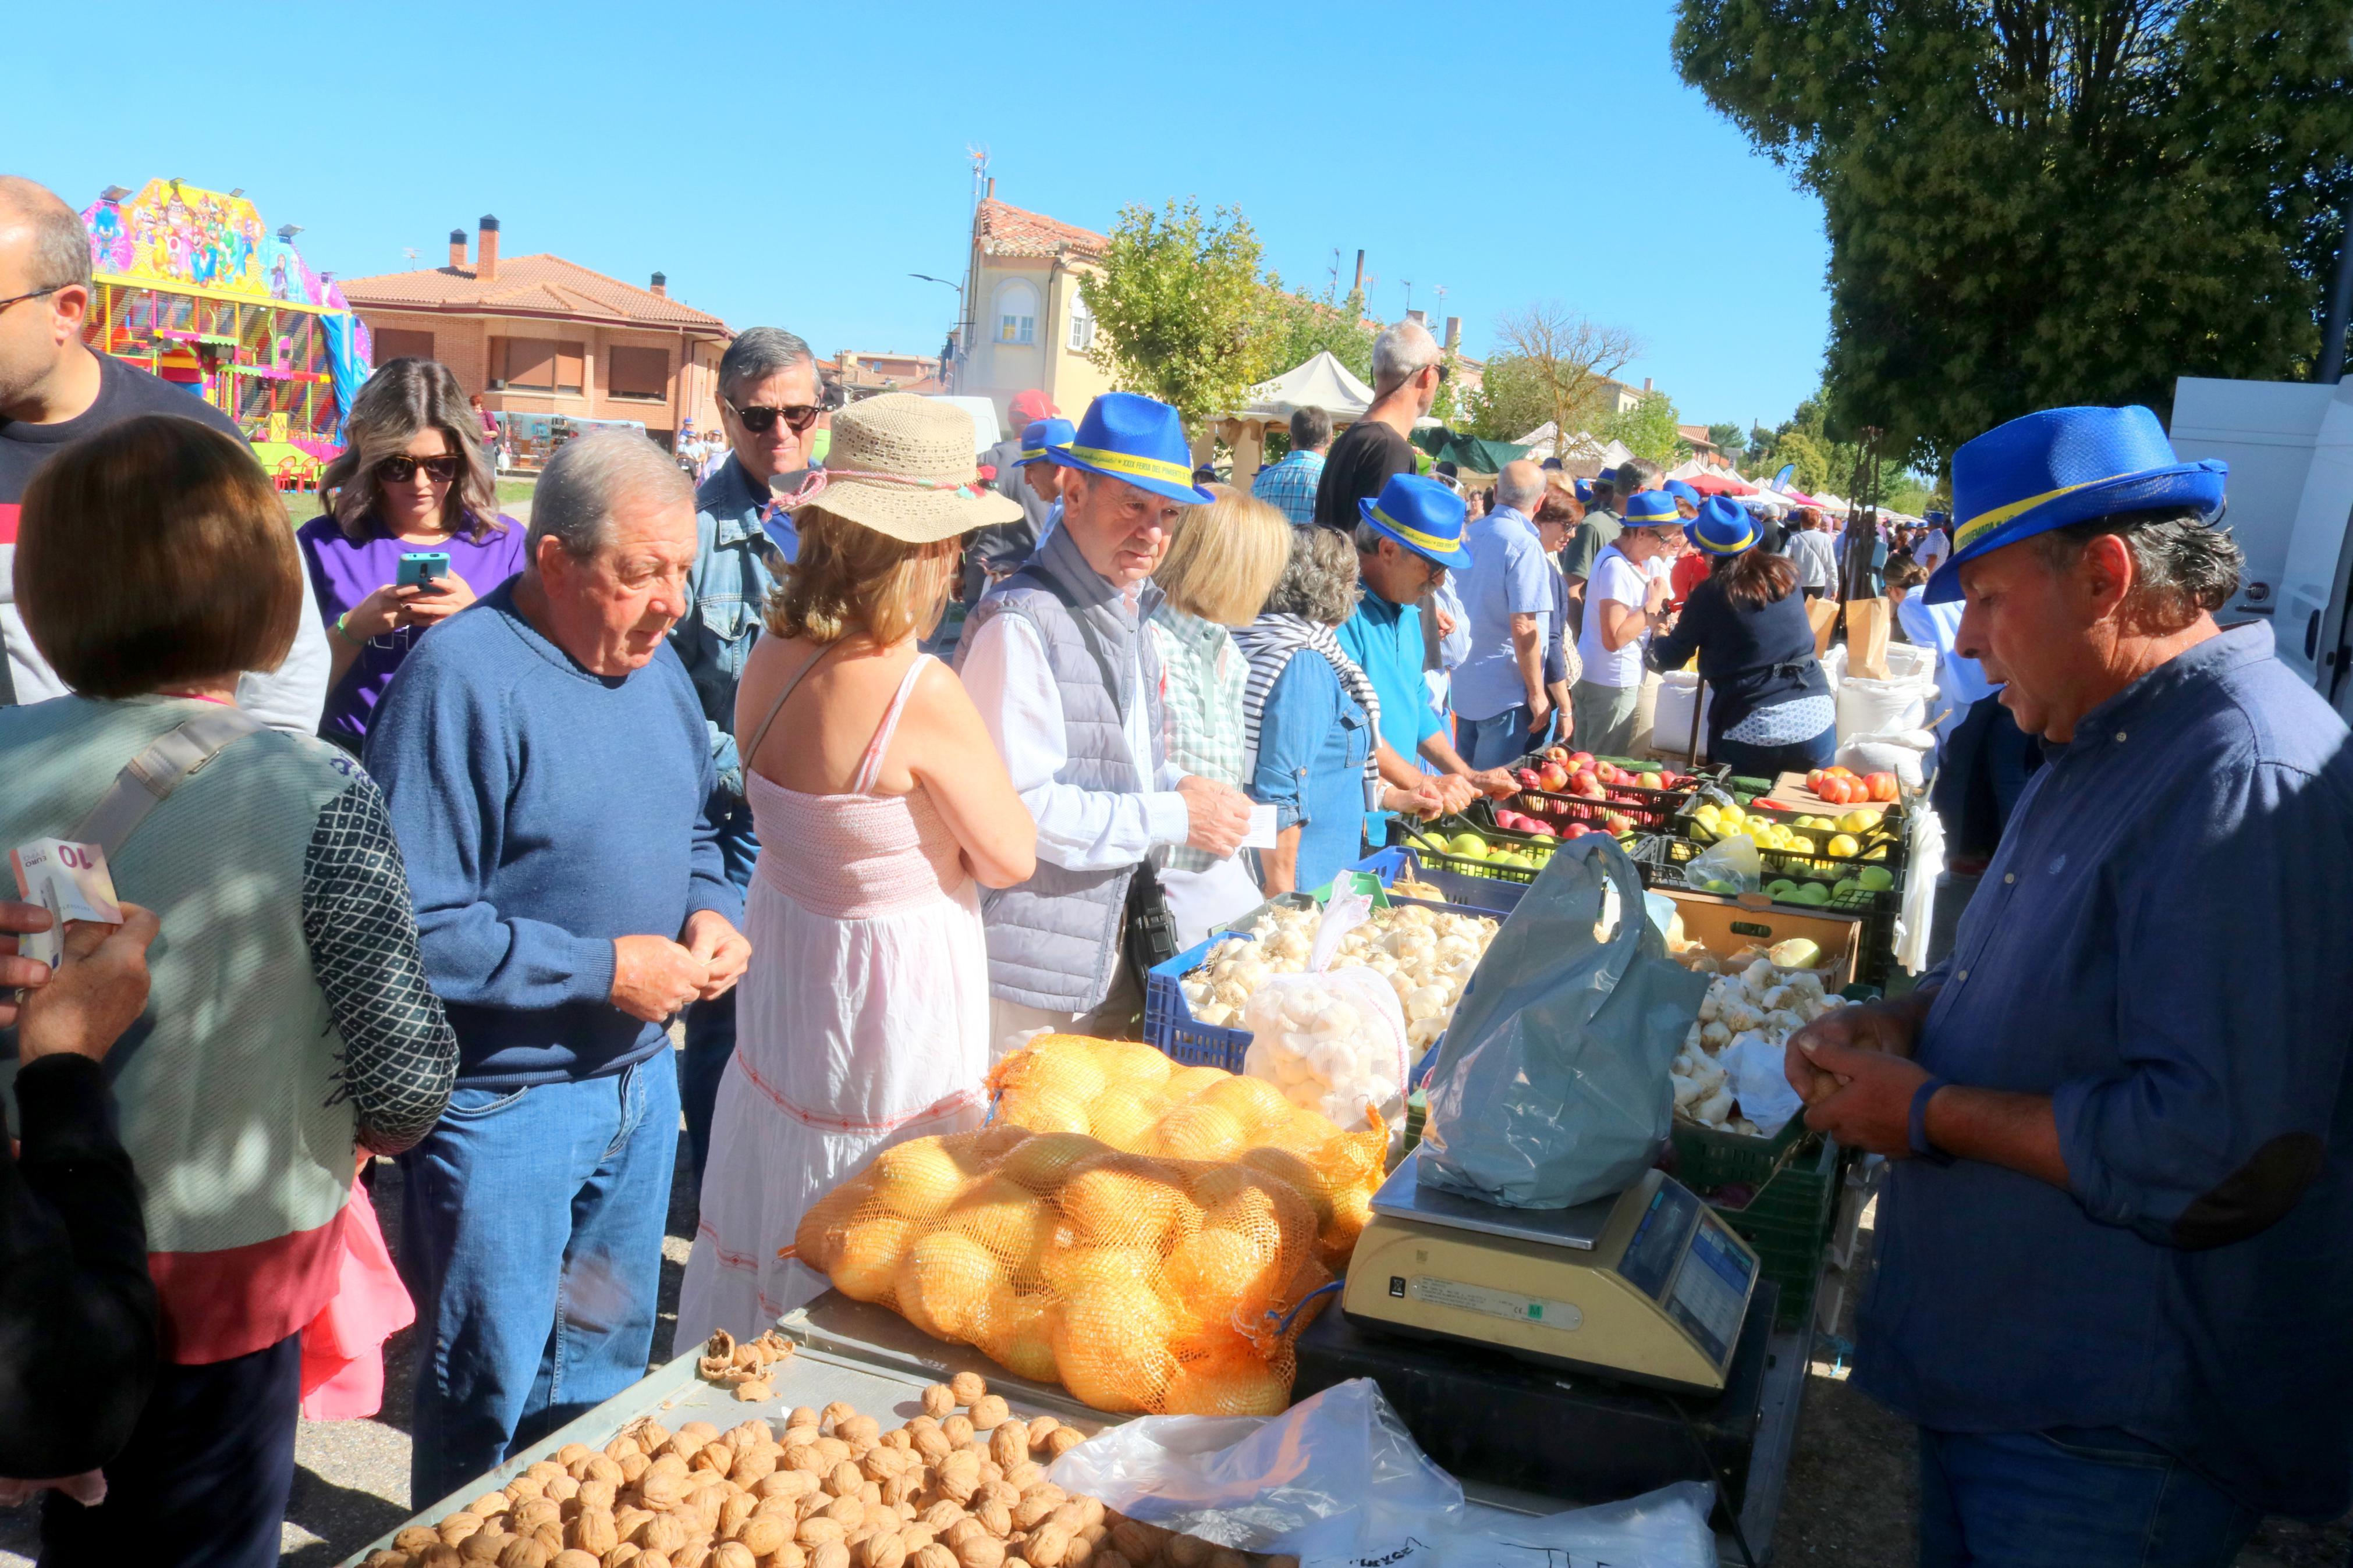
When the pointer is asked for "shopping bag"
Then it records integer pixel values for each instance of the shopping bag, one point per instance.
(1867, 621)
(1823, 613)
(1550, 1087)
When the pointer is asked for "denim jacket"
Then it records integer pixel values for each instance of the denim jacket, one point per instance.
(737, 561)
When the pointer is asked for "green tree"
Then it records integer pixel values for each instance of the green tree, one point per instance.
(1647, 430)
(1182, 305)
(2042, 202)
(1727, 437)
(1296, 329)
(1511, 401)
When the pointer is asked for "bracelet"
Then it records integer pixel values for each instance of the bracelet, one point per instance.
(1918, 1136)
(344, 632)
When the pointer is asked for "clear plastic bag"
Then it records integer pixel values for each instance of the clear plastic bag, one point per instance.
(1733, 861)
(1333, 1040)
(1551, 1086)
(1662, 1529)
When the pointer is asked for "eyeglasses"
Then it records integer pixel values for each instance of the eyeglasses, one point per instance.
(760, 419)
(401, 467)
(20, 299)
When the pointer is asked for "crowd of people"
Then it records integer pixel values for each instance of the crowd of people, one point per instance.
(457, 816)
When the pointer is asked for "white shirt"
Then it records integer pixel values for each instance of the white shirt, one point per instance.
(1615, 576)
(1931, 552)
(1008, 679)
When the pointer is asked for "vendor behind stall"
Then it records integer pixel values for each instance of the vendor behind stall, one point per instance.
(2113, 1281)
(1772, 709)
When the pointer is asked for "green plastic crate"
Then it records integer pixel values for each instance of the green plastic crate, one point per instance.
(1788, 1219)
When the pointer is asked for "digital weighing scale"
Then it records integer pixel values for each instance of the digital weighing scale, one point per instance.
(1650, 1286)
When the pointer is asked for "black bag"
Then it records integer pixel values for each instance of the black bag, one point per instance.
(1148, 930)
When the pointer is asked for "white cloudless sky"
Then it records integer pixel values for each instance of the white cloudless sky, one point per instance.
(792, 164)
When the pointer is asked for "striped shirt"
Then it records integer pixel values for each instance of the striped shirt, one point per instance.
(1203, 676)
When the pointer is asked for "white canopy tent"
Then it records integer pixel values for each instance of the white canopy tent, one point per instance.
(1582, 445)
(1322, 382)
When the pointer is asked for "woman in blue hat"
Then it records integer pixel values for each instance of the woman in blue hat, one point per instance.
(1770, 709)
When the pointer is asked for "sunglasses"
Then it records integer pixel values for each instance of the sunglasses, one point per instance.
(402, 468)
(760, 419)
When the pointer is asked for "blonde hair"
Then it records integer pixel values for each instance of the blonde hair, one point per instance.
(1225, 557)
(848, 578)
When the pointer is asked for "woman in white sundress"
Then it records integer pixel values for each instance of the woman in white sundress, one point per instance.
(880, 802)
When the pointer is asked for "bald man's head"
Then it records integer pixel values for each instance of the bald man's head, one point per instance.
(42, 242)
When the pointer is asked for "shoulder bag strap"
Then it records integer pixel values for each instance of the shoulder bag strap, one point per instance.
(151, 777)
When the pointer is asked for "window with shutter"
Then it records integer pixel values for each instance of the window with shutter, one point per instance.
(570, 360)
(528, 363)
(638, 373)
(394, 343)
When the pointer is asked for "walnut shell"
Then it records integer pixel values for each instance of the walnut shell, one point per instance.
(484, 1545)
(662, 1533)
(456, 1527)
(981, 1551)
(1008, 1444)
(521, 1552)
(1025, 1475)
(694, 1554)
(1036, 1506)
(573, 1557)
(818, 1531)
(622, 1445)
(860, 1432)
(387, 1558)
(1062, 1440)
(1187, 1552)
(1040, 1427)
(938, 1400)
(834, 1449)
(733, 1554)
(958, 1477)
(593, 1530)
(754, 1391)
(999, 1490)
(632, 1467)
(899, 1437)
(659, 1489)
(942, 1514)
(932, 1444)
(533, 1512)
(785, 1483)
(714, 1456)
(936, 1556)
(829, 1554)
(645, 1559)
(597, 1493)
(835, 1414)
(697, 1432)
(994, 1518)
(990, 1412)
(441, 1554)
(788, 1555)
(1080, 1553)
(967, 1387)
(763, 1534)
(883, 1548)
(734, 1510)
(1046, 1545)
(957, 1430)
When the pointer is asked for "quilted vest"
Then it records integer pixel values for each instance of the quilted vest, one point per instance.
(1054, 941)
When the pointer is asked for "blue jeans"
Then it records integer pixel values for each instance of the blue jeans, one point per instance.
(1754, 761)
(711, 1026)
(1493, 742)
(532, 1225)
(205, 1477)
(2070, 1498)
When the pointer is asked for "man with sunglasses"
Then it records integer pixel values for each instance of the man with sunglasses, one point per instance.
(53, 391)
(769, 403)
(1408, 370)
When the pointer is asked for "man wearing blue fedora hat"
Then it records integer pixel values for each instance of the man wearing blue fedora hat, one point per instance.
(1056, 662)
(1408, 537)
(2114, 1285)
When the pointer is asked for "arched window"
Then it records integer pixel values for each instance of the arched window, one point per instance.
(1016, 313)
(1082, 322)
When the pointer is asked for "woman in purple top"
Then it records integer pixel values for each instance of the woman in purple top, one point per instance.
(412, 478)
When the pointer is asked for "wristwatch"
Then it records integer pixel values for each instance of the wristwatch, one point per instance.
(1918, 1138)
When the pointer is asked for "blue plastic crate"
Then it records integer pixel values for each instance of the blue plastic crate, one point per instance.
(1478, 895)
(1169, 1025)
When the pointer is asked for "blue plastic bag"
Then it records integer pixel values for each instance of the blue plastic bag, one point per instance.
(1550, 1088)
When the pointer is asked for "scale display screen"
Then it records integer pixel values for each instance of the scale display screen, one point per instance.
(1711, 1289)
(1657, 1245)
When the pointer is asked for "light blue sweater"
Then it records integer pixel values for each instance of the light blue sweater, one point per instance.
(543, 811)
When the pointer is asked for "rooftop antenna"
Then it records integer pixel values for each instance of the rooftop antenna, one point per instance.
(411, 254)
(979, 153)
(1408, 295)
(1334, 291)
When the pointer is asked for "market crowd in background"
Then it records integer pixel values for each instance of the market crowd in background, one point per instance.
(681, 749)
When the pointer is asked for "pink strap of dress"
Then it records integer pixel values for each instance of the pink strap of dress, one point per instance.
(871, 763)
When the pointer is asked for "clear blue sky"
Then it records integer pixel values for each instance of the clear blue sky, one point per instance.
(792, 164)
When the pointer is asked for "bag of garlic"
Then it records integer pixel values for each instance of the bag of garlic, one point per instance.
(1551, 1086)
(1333, 1040)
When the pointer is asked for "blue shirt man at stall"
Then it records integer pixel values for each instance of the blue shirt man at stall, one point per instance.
(2114, 1286)
(1407, 538)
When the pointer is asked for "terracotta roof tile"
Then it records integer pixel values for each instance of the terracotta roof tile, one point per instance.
(535, 284)
(1007, 230)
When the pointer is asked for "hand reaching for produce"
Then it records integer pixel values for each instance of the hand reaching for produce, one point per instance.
(1888, 1027)
(653, 976)
(1216, 816)
(1423, 800)
(1494, 783)
(1455, 791)
(1869, 1105)
(724, 951)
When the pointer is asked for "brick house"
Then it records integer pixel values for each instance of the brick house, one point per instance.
(540, 335)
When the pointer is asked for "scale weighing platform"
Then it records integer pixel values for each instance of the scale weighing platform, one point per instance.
(1650, 1286)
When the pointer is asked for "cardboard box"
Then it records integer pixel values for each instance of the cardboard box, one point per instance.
(1726, 925)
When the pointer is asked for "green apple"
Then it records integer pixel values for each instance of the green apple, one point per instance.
(1811, 893)
(1780, 888)
(1878, 878)
(1470, 845)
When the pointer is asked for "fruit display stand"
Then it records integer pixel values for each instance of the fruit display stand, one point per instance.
(1601, 792)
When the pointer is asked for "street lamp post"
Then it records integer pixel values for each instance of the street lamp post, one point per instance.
(962, 326)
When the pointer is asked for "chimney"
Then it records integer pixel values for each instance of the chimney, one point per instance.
(992, 187)
(1453, 335)
(1418, 318)
(661, 286)
(1358, 286)
(458, 249)
(1646, 384)
(486, 249)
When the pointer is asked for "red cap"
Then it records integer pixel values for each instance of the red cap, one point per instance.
(1030, 406)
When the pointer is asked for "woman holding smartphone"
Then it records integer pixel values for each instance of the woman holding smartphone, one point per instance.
(414, 481)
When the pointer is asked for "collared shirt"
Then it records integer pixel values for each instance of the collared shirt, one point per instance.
(1930, 553)
(742, 543)
(1384, 642)
(2160, 946)
(1507, 578)
(1007, 676)
(1202, 678)
(1289, 486)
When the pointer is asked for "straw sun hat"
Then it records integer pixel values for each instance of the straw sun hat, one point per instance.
(904, 466)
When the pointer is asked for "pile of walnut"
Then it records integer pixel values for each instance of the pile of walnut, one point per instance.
(745, 1367)
(948, 1490)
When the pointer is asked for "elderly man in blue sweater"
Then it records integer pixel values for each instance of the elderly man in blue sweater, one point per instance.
(548, 772)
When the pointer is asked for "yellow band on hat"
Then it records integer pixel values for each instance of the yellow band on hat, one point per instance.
(1159, 469)
(1415, 536)
(1031, 454)
(1986, 522)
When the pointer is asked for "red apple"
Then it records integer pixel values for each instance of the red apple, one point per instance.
(1577, 760)
(1526, 778)
(1542, 829)
(1553, 777)
(1650, 781)
(1555, 754)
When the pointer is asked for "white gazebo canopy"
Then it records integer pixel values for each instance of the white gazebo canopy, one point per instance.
(1543, 442)
(1322, 382)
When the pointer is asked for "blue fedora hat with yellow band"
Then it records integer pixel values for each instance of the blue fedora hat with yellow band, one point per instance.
(1722, 528)
(1041, 437)
(2064, 466)
(1651, 509)
(1682, 491)
(1422, 515)
(1126, 436)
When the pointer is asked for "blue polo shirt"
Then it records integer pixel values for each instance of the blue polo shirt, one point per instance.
(1385, 641)
(1508, 576)
(2163, 945)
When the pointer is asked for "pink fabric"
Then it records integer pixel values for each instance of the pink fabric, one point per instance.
(342, 1348)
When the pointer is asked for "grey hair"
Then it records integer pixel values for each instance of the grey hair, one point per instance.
(587, 478)
(2183, 563)
(60, 245)
(1637, 474)
(1402, 353)
(757, 353)
(404, 397)
(1368, 539)
(1309, 428)
(1319, 581)
(1520, 485)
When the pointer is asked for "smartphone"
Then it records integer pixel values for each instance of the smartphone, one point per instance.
(418, 568)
